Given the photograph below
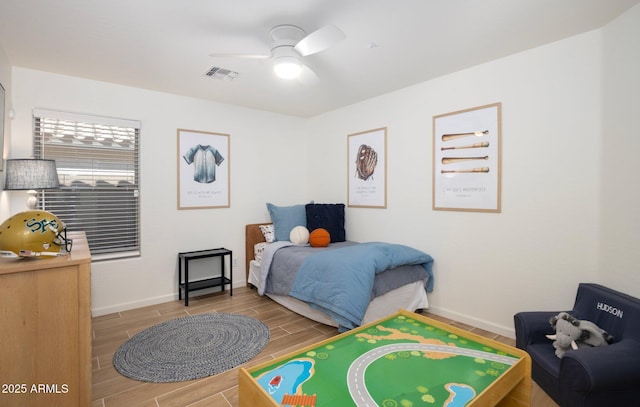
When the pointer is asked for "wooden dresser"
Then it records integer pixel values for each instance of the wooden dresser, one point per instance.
(45, 329)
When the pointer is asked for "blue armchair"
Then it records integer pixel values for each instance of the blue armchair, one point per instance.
(601, 376)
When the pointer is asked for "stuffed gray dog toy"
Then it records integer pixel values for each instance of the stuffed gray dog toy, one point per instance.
(572, 333)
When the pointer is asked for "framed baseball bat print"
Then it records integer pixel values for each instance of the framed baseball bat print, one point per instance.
(466, 160)
(367, 169)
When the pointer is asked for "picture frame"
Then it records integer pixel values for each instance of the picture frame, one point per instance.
(367, 169)
(2, 121)
(203, 169)
(467, 162)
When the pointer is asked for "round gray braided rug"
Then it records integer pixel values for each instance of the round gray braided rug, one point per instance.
(191, 347)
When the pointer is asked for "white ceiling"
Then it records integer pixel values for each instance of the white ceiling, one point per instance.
(165, 45)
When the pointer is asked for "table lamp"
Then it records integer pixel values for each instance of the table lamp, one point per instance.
(30, 175)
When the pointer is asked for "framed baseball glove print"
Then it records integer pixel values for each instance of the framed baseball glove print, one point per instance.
(367, 169)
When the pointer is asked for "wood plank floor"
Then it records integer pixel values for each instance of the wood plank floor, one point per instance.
(288, 332)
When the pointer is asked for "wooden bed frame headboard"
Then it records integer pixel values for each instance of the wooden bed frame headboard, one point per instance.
(252, 236)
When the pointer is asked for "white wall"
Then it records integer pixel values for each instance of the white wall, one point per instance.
(568, 202)
(5, 80)
(264, 147)
(620, 221)
(533, 254)
(561, 104)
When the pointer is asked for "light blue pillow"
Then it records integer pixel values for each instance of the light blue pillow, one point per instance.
(285, 218)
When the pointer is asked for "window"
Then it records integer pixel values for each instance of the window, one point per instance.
(97, 162)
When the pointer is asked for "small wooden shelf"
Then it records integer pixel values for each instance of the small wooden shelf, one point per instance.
(206, 283)
(186, 286)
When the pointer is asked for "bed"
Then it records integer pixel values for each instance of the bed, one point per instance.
(410, 293)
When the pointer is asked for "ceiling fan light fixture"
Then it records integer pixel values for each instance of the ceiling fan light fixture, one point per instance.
(287, 67)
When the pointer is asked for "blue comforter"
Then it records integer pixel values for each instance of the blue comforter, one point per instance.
(340, 282)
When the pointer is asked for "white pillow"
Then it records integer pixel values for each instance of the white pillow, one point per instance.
(268, 232)
(258, 249)
(299, 235)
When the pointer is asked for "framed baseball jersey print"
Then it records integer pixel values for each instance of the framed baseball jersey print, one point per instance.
(203, 170)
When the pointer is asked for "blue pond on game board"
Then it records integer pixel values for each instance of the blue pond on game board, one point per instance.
(285, 379)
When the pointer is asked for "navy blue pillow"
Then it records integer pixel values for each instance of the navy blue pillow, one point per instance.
(327, 216)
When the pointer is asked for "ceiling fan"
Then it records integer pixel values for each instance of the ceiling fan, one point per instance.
(289, 44)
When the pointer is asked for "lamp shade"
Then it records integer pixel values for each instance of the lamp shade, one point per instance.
(30, 174)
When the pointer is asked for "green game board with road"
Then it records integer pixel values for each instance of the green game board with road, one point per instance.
(399, 361)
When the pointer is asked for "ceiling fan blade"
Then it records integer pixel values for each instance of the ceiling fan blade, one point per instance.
(308, 77)
(244, 56)
(320, 40)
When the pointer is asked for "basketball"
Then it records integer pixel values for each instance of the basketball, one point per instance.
(319, 238)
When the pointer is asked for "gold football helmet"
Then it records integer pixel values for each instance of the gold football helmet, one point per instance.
(33, 233)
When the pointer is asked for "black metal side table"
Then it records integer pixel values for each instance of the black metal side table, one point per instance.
(187, 286)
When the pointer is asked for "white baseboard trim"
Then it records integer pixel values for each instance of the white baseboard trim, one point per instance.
(489, 326)
(144, 302)
(480, 323)
(126, 306)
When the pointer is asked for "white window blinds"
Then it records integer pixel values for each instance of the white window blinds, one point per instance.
(97, 162)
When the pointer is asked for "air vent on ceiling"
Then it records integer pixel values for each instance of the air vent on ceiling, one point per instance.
(221, 74)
